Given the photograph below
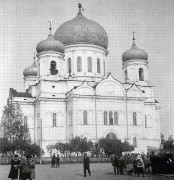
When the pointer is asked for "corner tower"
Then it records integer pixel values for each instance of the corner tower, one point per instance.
(50, 53)
(135, 65)
(30, 75)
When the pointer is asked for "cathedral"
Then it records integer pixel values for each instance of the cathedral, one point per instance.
(69, 93)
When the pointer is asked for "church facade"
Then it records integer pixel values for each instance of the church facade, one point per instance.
(68, 92)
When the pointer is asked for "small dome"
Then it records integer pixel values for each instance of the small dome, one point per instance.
(31, 71)
(134, 53)
(50, 44)
(82, 30)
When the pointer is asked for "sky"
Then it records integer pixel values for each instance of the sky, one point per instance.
(24, 23)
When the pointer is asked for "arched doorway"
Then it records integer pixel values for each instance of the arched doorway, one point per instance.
(111, 135)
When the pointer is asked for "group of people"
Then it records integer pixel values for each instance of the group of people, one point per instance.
(162, 163)
(129, 163)
(142, 164)
(55, 161)
(22, 168)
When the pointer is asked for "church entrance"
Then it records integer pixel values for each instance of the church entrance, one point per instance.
(111, 135)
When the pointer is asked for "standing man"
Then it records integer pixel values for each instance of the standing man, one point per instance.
(32, 168)
(86, 164)
(57, 161)
(116, 164)
(53, 161)
(121, 164)
(146, 164)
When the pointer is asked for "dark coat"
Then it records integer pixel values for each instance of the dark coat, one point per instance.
(86, 161)
(14, 169)
(57, 159)
(53, 159)
(24, 169)
(122, 162)
(116, 161)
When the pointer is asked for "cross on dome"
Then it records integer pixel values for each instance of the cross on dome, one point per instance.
(133, 37)
(80, 8)
(50, 28)
(34, 57)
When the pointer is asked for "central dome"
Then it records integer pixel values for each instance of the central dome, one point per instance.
(81, 30)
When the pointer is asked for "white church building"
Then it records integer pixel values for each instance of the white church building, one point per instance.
(68, 92)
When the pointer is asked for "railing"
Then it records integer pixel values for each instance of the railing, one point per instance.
(70, 159)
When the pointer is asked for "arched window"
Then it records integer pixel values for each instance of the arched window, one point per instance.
(115, 118)
(111, 135)
(110, 118)
(54, 119)
(98, 66)
(69, 65)
(145, 123)
(141, 74)
(104, 70)
(25, 120)
(134, 118)
(79, 64)
(135, 142)
(85, 118)
(105, 118)
(89, 64)
(53, 70)
(125, 75)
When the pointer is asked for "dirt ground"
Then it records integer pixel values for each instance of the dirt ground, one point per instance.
(101, 171)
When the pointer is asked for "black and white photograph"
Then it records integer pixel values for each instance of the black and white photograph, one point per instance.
(86, 89)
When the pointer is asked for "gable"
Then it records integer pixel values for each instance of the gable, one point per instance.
(134, 92)
(110, 87)
(83, 89)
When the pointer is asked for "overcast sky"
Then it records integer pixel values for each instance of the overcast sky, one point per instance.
(24, 23)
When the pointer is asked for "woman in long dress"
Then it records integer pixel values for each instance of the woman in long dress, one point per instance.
(14, 167)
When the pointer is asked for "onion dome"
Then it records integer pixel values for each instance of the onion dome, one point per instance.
(82, 30)
(32, 70)
(134, 53)
(50, 44)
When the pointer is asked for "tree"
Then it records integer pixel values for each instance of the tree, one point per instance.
(85, 145)
(114, 146)
(80, 145)
(50, 148)
(33, 149)
(61, 147)
(95, 149)
(12, 124)
(75, 144)
(5, 146)
(169, 144)
(15, 134)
